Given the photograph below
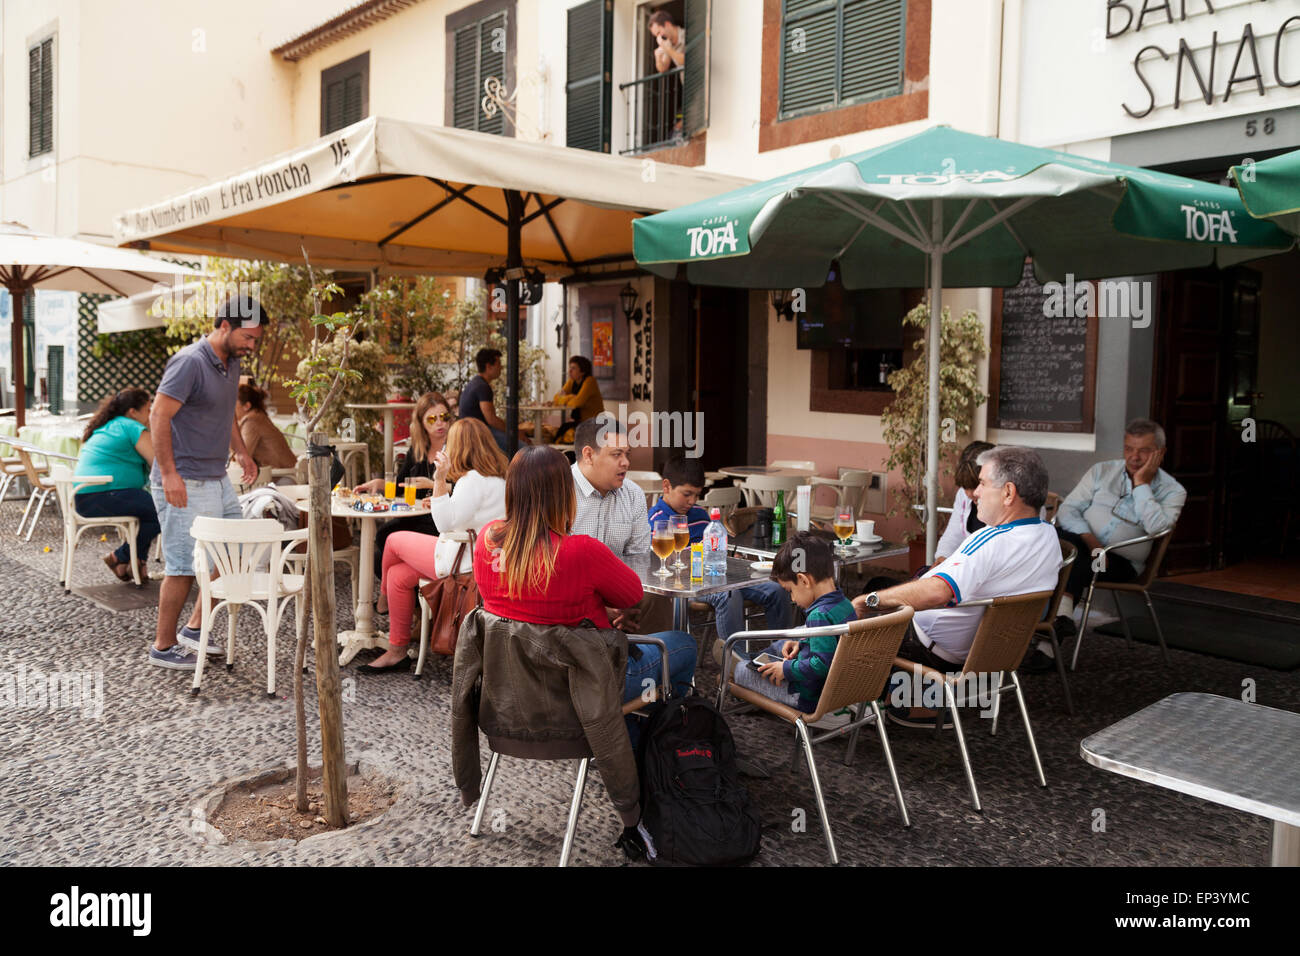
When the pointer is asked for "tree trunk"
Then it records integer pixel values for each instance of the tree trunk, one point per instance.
(328, 691)
(299, 706)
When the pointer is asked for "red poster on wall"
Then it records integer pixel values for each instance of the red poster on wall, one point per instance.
(602, 344)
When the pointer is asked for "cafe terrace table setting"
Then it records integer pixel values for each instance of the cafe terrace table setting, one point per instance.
(363, 636)
(683, 590)
(1244, 756)
(746, 543)
(388, 408)
(537, 411)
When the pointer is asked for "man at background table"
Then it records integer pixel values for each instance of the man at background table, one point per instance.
(1115, 501)
(477, 398)
(193, 428)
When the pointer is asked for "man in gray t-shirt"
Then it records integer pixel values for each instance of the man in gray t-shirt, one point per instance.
(193, 430)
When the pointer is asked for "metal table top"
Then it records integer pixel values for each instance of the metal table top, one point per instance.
(771, 471)
(739, 575)
(1240, 755)
(747, 543)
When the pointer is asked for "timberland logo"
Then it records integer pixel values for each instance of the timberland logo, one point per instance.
(708, 241)
(1208, 226)
(696, 752)
(77, 909)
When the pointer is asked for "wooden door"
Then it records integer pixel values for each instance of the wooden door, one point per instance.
(1204, 381)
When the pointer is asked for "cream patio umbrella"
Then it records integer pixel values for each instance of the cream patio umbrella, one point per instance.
(400, 197)
(33, 260)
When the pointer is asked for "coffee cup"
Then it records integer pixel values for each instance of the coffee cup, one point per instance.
(866, 529)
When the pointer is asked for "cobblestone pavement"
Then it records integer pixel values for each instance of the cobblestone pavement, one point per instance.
(119, 788)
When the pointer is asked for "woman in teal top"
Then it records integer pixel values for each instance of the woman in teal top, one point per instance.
(117, 444)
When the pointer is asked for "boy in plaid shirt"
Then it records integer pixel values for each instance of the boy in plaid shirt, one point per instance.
(805, 568)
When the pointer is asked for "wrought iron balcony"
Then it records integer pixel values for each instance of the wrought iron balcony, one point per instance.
(653, 112)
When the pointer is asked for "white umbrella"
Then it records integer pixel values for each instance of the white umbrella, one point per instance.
(33, 260)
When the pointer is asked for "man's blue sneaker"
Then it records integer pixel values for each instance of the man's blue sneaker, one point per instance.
(175, 657)
(189, 637)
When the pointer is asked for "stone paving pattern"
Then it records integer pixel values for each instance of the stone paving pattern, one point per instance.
(119, 790)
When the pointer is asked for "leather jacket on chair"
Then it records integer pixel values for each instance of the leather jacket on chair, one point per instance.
(542, 692)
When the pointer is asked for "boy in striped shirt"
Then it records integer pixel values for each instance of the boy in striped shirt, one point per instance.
(805, 568)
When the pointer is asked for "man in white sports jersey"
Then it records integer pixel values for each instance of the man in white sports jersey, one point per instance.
(1015, 553)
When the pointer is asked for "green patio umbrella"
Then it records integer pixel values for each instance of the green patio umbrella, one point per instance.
(945, 207)
(1270, 189)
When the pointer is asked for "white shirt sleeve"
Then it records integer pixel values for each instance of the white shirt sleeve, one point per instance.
(455, 512)
(968, 574)
(955, 533)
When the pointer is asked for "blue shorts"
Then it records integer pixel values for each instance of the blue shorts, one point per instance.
(213, 499)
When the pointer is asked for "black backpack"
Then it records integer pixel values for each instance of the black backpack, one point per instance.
(692, 803)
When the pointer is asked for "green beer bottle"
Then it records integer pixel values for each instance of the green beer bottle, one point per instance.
(778, 520)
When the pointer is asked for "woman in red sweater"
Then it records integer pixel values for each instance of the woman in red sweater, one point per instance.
(530, 568)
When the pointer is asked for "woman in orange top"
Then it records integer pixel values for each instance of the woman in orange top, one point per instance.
(581, 393)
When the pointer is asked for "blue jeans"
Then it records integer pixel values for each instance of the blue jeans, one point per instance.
(681, 664)
(500, 437)
(133, 502)
(730, 607)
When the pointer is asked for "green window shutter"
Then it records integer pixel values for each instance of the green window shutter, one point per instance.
(466, 96)
(40, 98)
(492, 62)
(587, 86)
(873, 45)
(809, 56)
(695, 75)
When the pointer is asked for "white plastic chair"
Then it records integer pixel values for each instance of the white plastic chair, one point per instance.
(235, 548)
(42, 487)
(849, 488)
(760, 490)
(75, 525)
(651, 482)
(724, 499)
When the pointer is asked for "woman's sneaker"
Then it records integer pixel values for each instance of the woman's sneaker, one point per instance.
(189, 637)
(175, 657)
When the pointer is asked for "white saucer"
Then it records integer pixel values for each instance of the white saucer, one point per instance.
(874, 539)
(763, 566)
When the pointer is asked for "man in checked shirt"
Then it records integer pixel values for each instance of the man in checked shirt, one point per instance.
(614, 512)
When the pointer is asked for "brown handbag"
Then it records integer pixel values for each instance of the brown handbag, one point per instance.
(450, 599)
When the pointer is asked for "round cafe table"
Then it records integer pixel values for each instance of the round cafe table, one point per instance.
(388, 408)
(363, 636)
(749, 471)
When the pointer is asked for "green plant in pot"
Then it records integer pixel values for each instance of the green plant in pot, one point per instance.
(904, 420)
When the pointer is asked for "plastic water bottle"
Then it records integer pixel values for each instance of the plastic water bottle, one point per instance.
(715, 544)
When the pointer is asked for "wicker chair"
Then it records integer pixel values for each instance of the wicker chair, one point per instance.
(1047, 626)
(999, 646)
(1160, 544)
(859, 671)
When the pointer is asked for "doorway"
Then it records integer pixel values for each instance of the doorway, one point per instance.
(718, 371)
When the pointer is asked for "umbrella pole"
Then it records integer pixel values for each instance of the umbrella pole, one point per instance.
(932, 426)
(16, 295)
(514, 262)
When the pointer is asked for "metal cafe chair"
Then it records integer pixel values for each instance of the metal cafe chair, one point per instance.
(1003, 637)
(1047, 626)
(1160, 544)
(575, 806)
(42, 487)
(857, 678)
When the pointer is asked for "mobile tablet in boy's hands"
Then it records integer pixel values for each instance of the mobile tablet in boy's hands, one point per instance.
(764, 658)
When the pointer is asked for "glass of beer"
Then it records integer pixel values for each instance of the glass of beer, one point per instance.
(843, 525)
(390, 486)
(663, 542)
(681, 538)
(408, 493)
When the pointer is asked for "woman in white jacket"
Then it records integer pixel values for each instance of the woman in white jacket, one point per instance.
(469, 491)
(963, 520)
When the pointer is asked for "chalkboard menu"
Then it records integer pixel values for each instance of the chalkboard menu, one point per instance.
(1042, 373)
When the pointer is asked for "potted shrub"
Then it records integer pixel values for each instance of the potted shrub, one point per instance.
(904, 420)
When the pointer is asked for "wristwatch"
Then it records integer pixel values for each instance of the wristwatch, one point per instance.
(873, 600)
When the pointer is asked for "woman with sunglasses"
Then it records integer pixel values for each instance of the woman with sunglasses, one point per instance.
(429, 425)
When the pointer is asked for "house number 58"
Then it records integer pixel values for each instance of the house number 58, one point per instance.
(1252, 126)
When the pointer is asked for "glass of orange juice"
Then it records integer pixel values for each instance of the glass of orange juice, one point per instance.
(409, 494)
(390, 486)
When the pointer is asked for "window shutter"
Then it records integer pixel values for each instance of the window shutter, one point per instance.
(587, 88)
(873, 43)
(695, 76)
(809, 55)
(467, 93)
(492, 62)
(40, 98)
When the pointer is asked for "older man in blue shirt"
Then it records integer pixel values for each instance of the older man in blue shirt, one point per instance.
(1116, 501)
